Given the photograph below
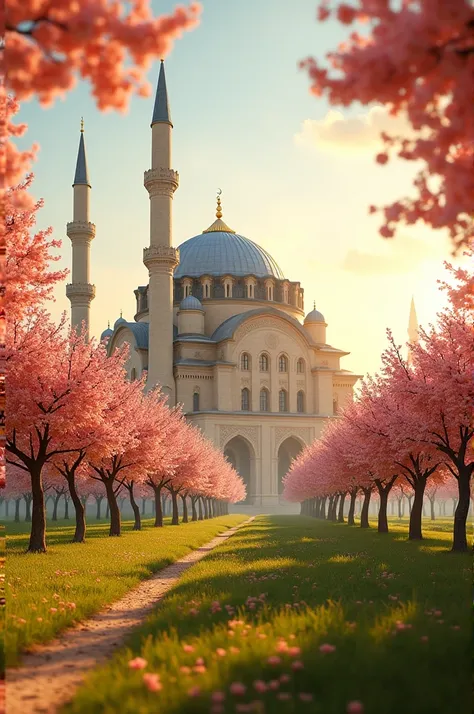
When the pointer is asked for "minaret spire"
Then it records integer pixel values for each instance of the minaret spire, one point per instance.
(161, 110)
(413, 336)
(161, 181)
(81, 232)
(81, 176)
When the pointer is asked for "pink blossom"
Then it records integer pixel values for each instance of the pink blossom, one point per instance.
(326, 648)
(354, 707)
(260, 686)
(137, 663)
(188, 648)
(274, 660)
(218, 697)
(152, 682)
(237, 689)
(306, 697)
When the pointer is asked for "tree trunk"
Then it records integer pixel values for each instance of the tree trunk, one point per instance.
(175, 512)
(80, 510)
(137, 526)
(37, 542)
(194, 515)
(455, 503)
(399, 507)
(382, 524)
(329, 513)
(199, 502)
(107, 510)
(185, 509)
(340, 515)
(99, 503)
(143, 506)
(462, 509)
(364, 514)
(17, 510)
(409, 499)
(7, 506)
(350, 516)
(55, 506)
(114, 510)
(414, 531)
(432, 509)
(27, 499)
(206, 509)
(158, 507)
(423, 511)
(66, 507)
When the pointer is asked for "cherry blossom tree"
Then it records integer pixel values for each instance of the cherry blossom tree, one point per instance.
(56, 390)
(51, 43)
(415, 58)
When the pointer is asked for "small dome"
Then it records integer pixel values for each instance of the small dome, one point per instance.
(106, 334)
(119, 322)
(191, 303)
(314, 316)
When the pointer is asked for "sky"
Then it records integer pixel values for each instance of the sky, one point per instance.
(297, 175)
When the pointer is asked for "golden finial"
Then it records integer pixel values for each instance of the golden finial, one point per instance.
(82, 125)
(219, 207)
(314, 304)
(121, 313)
(108, 324)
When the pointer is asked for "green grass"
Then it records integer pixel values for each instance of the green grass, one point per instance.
(373, 597)
(47, 592)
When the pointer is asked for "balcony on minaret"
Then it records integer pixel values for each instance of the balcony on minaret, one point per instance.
(80, 229)
(80, 292)
(161, 180)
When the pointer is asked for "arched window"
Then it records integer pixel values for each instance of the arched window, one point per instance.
(300, 402)
(264, 400)
(206, 290)
(227, 290)
(245, 362)
(196, 402)
(283, 363)
(300, 366)
(283, 400)
(245, 399)
(263, 362)
(250, 290)
(133, 374)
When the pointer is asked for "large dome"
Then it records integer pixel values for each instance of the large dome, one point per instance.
(223, 253)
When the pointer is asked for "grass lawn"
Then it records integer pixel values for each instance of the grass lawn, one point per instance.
(294, 615)
(49, 591)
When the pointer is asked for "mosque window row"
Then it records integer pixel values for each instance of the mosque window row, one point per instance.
(264, 363)
(226, 287)
(264, 400)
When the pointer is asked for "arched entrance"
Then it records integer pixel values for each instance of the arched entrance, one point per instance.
(240, 454)
(289, 450)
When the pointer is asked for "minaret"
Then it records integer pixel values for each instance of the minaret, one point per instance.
(413, 336)
(81, 231)
(161, 258)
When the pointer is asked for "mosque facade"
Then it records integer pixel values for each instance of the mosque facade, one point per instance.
(221, 328)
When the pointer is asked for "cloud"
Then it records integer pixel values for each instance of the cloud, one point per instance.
(336, 132)
(402, 255)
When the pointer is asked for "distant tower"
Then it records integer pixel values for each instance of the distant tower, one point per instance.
(80, 291)
(161, 258)
(413, 336)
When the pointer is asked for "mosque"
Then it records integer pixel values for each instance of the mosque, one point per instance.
(221, 328)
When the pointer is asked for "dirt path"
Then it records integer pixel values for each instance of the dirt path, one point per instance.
(48, 677)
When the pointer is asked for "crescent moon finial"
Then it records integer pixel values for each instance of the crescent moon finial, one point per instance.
(219, 207)
(219, 191)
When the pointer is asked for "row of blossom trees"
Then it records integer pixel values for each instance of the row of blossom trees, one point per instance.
(73, 417)
(411, 427)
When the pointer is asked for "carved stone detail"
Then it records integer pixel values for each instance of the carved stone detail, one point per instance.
(80, 290)
(300, 383)
(245, 382)
(161, 255)
(80, 229)
(283, 432)
(161, 181)
(271, 340)
(269, 323)
(227, 432)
